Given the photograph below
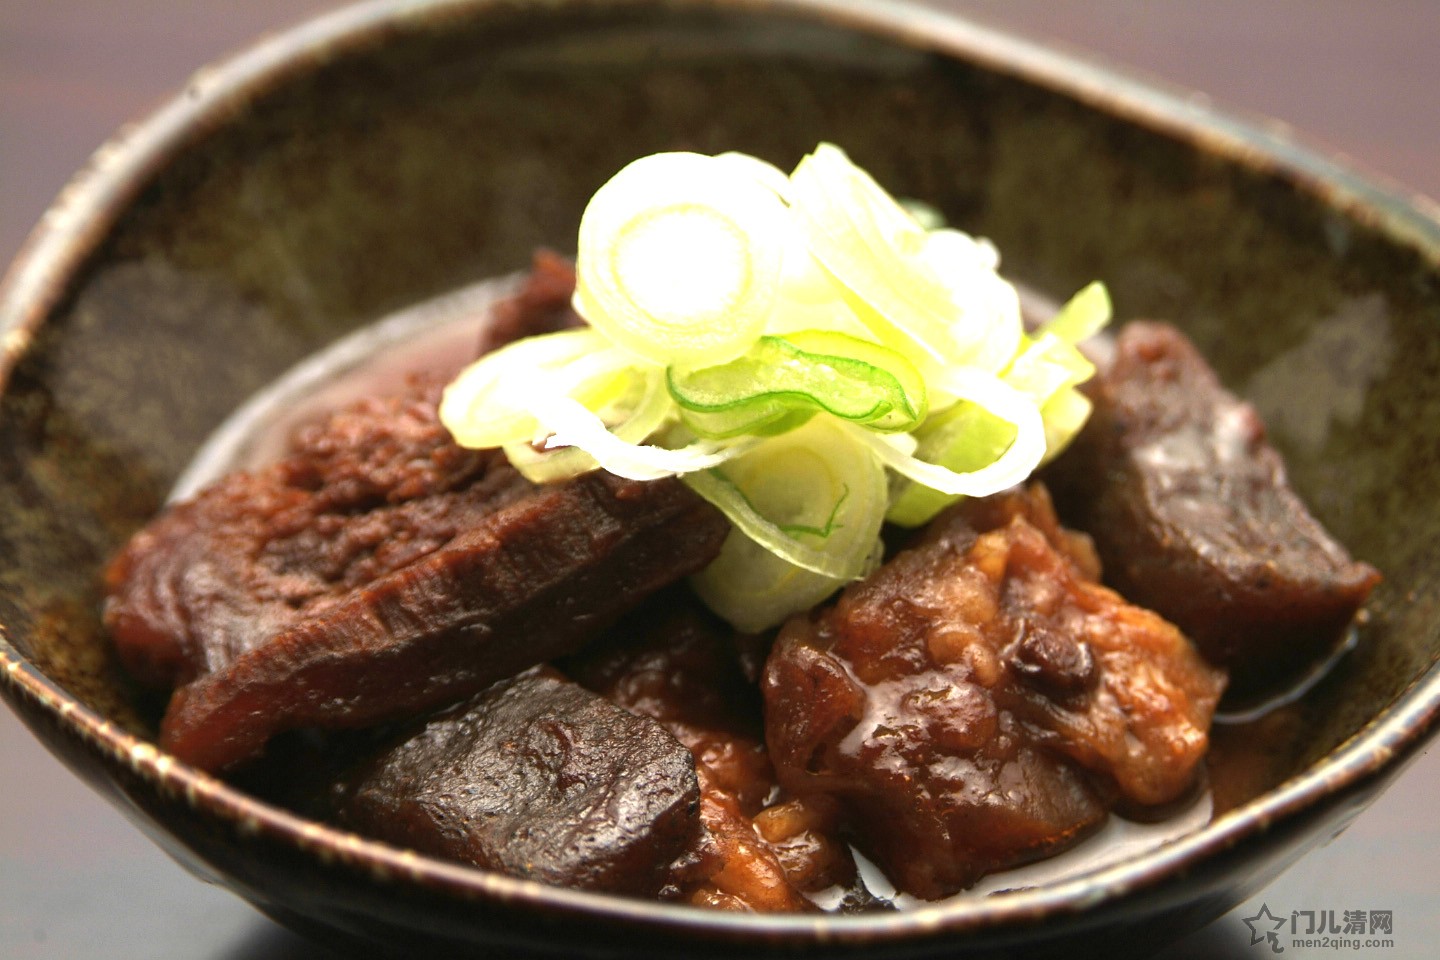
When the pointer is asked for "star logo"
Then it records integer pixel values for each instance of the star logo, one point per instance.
(1265, 927)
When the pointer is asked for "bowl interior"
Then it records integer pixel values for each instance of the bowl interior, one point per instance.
(380, 174)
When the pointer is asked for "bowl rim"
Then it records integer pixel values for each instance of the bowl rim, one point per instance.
(90, 205)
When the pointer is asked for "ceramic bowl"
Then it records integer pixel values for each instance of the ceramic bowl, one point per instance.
(388, 153)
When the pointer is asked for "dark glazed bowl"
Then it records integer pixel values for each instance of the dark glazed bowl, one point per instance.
(386, 154)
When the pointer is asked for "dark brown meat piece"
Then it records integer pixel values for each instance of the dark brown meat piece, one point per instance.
(531, 581)
(1194, 518)
(536, 778)
(542, 304)
(362, 494)
(365, 493)
(979, 701)
(378, 572)
(676, 663)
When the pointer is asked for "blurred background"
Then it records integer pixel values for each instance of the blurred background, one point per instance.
(1350, 78)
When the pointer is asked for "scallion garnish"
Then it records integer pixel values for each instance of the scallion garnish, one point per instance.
(802, 350)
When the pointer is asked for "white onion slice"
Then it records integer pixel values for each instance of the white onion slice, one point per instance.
(572, 425)
(679, 258)
(1013, 466)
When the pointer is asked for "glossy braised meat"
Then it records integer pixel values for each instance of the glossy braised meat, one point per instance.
(380, 571)
(675, 662)
(366, 492)
(1193, 516)
(369, 491)
(537, 778)
(532, 581)
(979, 701)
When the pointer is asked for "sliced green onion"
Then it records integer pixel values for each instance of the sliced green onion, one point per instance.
(1083, 316)
(923, 213)
(807, 508)
(487, 404)
(807, 371)
(679, 258)
(539, 465)
(786, 541)
(910, 287)
(963, 438)
(771, 176)
(571, 424)
(1064, 414)
(1011, 467)
(1046, 366)
(634, 416)
(810, 298)
(987, 326)
(781, 342)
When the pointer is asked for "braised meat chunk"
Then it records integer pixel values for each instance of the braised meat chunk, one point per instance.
(536, 778)
(380, 571)
(1193, 516)
(678, 664)
(979, 701)
(364, 494)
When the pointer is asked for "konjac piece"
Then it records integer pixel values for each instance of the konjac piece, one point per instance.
(1193, 515)
(675, 662)
(979, 701)
(536, 778)
(380, 571)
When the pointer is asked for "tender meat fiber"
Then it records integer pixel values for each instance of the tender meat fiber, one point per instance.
(1194, 518)
(676, 663)
(536, 778)
(364, 494)
(368, 491)
(532, 581)
(979, 701)
(380, 571)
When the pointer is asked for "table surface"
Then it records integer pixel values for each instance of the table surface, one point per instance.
(79, 881)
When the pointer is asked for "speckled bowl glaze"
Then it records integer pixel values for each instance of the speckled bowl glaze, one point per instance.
(385, 154)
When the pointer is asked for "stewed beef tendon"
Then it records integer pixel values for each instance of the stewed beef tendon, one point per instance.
(980, 701)
(1194, 518)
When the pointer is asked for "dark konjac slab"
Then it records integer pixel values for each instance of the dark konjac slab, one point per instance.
(536, 778)
(979, 701)
(1193, 516)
